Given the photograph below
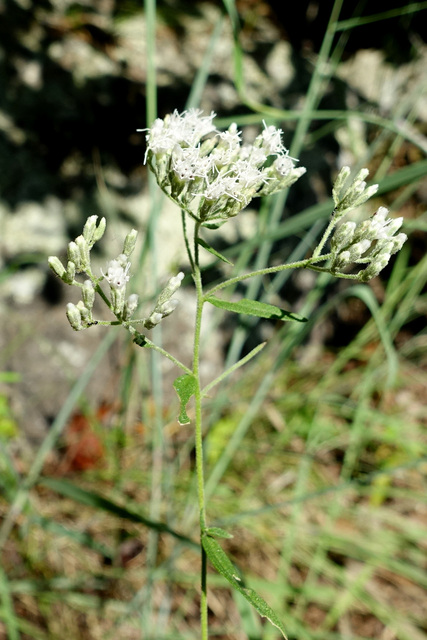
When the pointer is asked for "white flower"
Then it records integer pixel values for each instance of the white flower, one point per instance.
(187, 163)
(117, 273)
(248, 174)
(223, 173)
(222, 186)
(255, 155)
(283, 165)
(272, 140)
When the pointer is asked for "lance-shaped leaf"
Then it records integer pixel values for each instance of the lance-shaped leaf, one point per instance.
(213, 251)
(225, 567)
(185, 387)
(255, 308)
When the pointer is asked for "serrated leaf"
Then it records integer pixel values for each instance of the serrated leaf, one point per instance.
(217, 532)
(225, 567)
(213, 251)
(185, 387)
(255, 308)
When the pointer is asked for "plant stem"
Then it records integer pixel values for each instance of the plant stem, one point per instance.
(198, 432)
(301, 264)
(325, 236)
(151, 345)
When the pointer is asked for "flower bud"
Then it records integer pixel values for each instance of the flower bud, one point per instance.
(365, 194)
(339, 184)
(57, 267)
(84, 252)
(342, 236)
(99, 231)
(374, 268)
(118, 299)
(130, 306)
(85, 313)
(169, 306)
(89, 229)
(172, 286)
(74, 256)
(88, 294)
(71, 272)
(358, 249)
(394, 226)
(398, 242)
(354, 195)
(153, 320)
(74, 317)
(130, 241)
(364, 231)
(93, 233)
(341, 260)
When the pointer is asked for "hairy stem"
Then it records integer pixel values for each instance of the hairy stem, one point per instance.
(301, 264)
(198, 431)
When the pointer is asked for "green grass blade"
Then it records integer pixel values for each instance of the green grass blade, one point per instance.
(7, 610)
(95, 500)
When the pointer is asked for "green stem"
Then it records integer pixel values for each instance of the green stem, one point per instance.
(187, 244)
(155, 347)
(307, 264)
(198, 431)
(325, 236)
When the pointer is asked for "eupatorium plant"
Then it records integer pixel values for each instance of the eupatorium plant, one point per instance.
(212, 176)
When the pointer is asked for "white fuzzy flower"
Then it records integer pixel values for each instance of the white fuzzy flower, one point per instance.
(272, 140)
(222, 186)
(117, 274)
(283, 165)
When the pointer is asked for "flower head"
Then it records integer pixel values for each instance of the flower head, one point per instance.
(372, 242)
(117, 272)
(210, 174)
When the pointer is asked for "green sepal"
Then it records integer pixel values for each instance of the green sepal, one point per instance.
(185, 386)
(225, 567)
(255, 308)
(213, 251)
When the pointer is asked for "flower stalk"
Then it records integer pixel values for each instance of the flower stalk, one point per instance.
(212, 176)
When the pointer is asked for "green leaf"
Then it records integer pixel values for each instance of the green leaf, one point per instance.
(185, 386)
(225, 567)
(255, 308)
(217, 532)
(213, 251)
(213, 225)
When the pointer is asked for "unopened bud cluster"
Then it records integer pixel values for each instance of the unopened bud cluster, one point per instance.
(165, 303)
(116, 275)
(371, 242)
(211, 174)
(349, 196)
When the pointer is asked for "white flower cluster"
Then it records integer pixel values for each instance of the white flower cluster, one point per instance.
(371, 242)
(117, 276)
(215, 177)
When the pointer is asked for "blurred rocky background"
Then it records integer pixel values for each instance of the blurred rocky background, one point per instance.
(73, 95)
